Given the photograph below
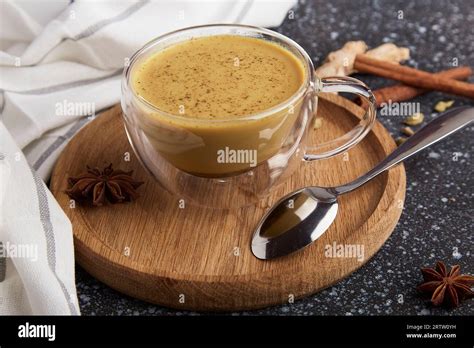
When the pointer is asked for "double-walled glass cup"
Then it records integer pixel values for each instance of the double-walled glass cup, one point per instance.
(233, 162)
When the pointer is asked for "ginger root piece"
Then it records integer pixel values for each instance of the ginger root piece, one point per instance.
(389, 52)
(341, 62)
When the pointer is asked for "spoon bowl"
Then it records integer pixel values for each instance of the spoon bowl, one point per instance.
(294, 222)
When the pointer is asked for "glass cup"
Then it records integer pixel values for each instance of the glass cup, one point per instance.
(233, 162)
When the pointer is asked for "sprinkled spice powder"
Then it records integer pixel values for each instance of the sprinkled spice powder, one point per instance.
(222, 76)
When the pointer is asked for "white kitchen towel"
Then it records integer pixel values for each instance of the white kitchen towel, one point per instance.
(38, 270)
(61, 62)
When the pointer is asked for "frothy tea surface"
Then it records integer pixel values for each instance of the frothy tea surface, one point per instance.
(215, 77)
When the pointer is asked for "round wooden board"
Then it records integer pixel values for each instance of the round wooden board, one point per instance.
(200, 259)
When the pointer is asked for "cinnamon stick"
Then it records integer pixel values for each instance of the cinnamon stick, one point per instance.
(413, 77)
(401, 92)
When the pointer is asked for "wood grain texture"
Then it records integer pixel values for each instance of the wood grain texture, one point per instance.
(204, 254)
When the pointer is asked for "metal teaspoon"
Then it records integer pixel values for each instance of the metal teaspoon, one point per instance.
(301, 217)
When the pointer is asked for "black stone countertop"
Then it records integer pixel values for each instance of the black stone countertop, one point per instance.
(437, 221)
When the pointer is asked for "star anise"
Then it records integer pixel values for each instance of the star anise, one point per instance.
(97, 186)
(446, 288)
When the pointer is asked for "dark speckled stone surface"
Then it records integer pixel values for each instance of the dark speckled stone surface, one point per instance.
(437, 221)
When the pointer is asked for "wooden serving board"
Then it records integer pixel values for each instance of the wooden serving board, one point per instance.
(199, 258)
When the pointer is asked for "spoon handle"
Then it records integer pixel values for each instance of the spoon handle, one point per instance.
(440, 127)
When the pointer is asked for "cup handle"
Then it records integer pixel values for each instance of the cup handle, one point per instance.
(346, 141)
